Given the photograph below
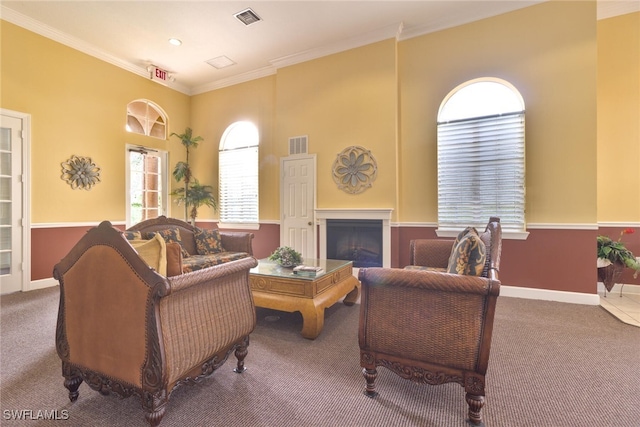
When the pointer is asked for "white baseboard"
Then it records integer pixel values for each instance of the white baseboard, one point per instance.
(506, 291)
(41, 284)
(549, 295)
(628, 288)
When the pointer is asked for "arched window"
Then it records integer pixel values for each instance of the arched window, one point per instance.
(238, 180)
(146, 118)
(481, 156)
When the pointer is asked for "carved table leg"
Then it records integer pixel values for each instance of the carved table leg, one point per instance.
(312, 319)
(352, 296)
(370, 376)
(241, 353)
(475, 406)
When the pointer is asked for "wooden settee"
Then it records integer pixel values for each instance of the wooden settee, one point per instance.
(124, 328)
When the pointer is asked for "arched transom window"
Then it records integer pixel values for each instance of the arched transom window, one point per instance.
(146, 118)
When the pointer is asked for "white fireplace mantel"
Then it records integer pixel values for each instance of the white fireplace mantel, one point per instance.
(322, 215)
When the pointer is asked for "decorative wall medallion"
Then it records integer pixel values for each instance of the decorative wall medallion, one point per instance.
(355, 169)
(80, 172)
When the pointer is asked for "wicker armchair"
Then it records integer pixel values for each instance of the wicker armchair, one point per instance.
(123, 328)
(429, 326)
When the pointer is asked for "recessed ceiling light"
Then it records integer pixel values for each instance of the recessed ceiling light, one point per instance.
(175, 42)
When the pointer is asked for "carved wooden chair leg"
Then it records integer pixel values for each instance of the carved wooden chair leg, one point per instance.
(241, 352)
(72, 380)
(154, 405)
(475, 407)
(370, 376)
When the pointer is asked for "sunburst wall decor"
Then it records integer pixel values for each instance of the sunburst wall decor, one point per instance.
(354, 169)
(80, 172)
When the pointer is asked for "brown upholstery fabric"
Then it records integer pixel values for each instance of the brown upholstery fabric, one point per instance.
(429, 326)
(125, 329)
(174, 259)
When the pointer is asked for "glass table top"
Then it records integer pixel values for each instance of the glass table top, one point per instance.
(271, 268)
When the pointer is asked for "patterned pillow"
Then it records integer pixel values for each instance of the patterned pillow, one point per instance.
(172, 235)
(468, 255)
(208, 241)
(132, 235)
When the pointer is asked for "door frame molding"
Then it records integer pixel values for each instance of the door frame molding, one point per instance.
(315, 193)
(26, 194)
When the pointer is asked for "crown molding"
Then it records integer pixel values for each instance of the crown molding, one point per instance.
(234, 80)
(390, 31)
(38, 27)
(611, 8)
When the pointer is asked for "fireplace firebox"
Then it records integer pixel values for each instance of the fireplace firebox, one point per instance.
(357, 240)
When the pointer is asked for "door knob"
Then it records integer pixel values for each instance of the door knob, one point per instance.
(310, 223)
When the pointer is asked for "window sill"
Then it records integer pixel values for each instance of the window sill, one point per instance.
(506, 234)
(239, 226)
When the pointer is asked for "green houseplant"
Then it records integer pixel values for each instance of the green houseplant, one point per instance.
(613, 257)
(193, 195)
(286, 256)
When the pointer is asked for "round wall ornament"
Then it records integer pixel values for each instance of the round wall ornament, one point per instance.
(80, 172)
(354, 169)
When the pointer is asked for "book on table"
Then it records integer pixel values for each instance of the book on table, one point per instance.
(307, 270)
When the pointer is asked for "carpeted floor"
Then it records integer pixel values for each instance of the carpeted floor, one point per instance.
(552, 364)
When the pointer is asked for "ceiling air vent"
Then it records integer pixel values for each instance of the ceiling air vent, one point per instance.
(298, 145)
(247, 17)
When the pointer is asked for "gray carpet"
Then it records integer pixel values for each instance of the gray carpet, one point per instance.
(552, 364)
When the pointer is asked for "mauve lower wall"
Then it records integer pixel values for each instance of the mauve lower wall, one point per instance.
(50, 245)
(561, 260)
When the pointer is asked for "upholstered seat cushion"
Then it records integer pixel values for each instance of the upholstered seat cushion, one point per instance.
(468, 255)
(198, 262)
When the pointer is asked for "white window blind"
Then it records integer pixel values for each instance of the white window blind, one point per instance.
(238, 182)
(481, 172)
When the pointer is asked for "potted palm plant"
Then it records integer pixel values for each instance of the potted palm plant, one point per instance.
(193, 194)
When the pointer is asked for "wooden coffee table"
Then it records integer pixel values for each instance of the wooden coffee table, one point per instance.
(277, 288)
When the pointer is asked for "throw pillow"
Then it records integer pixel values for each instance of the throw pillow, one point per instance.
(468, 255)
(172, 235)
(208, 241)
(174, 259)
(153, 252)
(132, 235)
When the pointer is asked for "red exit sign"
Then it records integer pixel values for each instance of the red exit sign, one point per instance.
(160, 74)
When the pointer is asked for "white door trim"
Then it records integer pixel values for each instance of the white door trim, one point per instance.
(26, 194)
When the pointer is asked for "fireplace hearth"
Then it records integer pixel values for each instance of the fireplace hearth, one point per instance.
(355, 240)
(364, 250)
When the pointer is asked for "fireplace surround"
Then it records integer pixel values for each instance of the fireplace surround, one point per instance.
(366, 216)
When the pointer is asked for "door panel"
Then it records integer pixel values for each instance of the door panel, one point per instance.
(11, 205)
(298, 204)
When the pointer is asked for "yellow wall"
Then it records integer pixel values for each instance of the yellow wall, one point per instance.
(78, 106)
(339, 101)
(213, 112)
(78, 102)
(619, 119)
(548, 52)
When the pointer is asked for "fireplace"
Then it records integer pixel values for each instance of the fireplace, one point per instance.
(361, 240)
(355, 240)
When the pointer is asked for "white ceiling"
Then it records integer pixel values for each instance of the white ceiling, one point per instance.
(134, 34)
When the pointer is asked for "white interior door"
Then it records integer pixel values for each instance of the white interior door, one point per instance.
(298, 229)
(11, 212)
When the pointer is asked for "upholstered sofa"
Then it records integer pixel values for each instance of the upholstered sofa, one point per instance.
(199, 248)
(125, 328)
